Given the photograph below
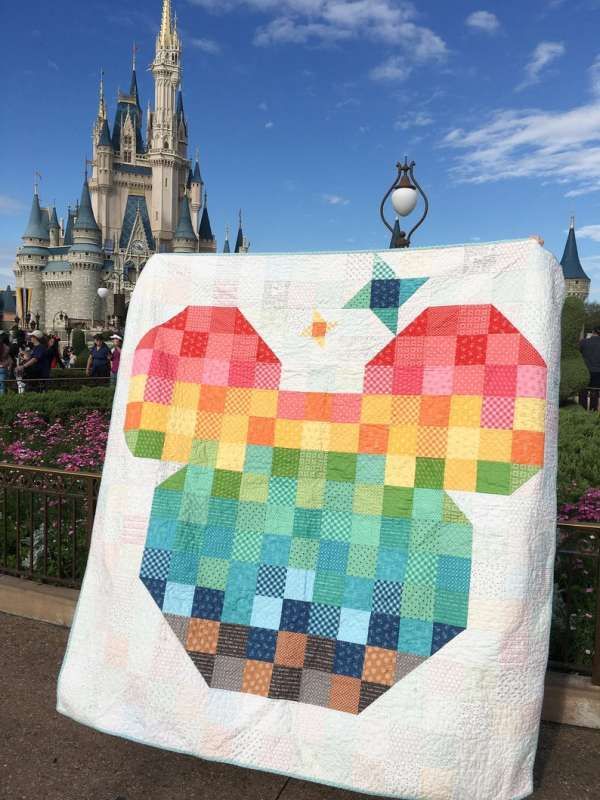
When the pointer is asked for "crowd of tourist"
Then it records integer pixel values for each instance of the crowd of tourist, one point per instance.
(27, 359)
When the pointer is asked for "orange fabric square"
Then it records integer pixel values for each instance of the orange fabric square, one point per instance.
(319, 329)
(261, 431)
(133, 416)
(379, 666)
(202, 636)
(290, 649)
(212, 398)
(345, 693)
(435, 411)
(528, 448)
(237, 401)
(373, 439)
(405, 409)
(257, 677)
(432, 442)
(208, 426)
(318, 406)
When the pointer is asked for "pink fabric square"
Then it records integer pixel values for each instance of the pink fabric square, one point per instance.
(409, 350)
(158, 390)
(267, 376)
(198, 318)
(163, 365)
(291, 405)
(169, 340)
(223, 319)
(215, 372)
(245, 348)
(442, 320)
(500, 381)
(469, 379)
(189, 370)
(242, 373)
(503, 348)
(473, 320)
(498, 412)
(346, 407)
(141, 362)
(531, 381)
(407, 380)
(220, 345)
(379, 380)
(439, 350)
(438, 380)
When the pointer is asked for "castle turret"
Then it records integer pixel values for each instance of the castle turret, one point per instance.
(54, 228)
(32, 259)
(242, 245)
(185, 240)
(195, 188)
(576, 281)
(226, 246)
(86, 260)
(206, 241)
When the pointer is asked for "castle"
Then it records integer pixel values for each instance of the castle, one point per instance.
(143, 197)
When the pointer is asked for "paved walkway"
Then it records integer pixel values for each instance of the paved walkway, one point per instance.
(44, 756)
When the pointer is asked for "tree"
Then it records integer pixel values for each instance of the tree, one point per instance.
(78, 341)
(592, 316)
(574, 374)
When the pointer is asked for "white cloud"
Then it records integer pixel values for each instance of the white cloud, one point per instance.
(206, 45)
(263, 106)
(556, 146)
(543, 55)
(10, 205)
(269, 124)
(349, 102)
(53, 65)
(594, 73)
(335, 200)
(589, 232)
(414, 119)
(483, 21)
(393, 68)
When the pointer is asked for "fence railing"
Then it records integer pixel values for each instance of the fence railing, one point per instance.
(47, 515)
(46, 519)
(63, 382)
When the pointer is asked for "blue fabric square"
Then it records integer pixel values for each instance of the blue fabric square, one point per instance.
(294, 616)
(391, 565)
(307, 522)
(354, 625)
(395, 532)
(333, 556)
(156, 587)
(217, 542)
(261, 644)
(387, 597)
(161, 533)
(258, 459)
(222, 513)
(266, 612)
(415, 637)
(442, 634)
(270, 581)
(299, 584)
(454, 573)
(358, 593)
(242, 577)
(383, 631)
(370, 469)
(208, 603)
(275, 549)
(184, 567)
(349, 659)
(385, 293)
(179, 598)
(155, 563)
(324, 620)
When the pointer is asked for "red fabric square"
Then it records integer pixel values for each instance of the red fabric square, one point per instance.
(503, 348)
(409, 350)
(499, 323)
(387, 356)
(265, 354)
(473, 320)
(469, 379)
(223, 320)
(267, 376)
(219, 345)
(198, 318)
(471, 349)
(147, 340)
(158, 390)
(163, 365)
(189, 369)
(498, 412)
(194, 344)
(346, 407)
(242, 373)
(179, 322)
(442, 320)
(529, 355)
(500, 381)
(407, 380)
(439, 351)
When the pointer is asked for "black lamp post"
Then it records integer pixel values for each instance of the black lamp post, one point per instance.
(63, 318)
(404, 199)
(119, 284)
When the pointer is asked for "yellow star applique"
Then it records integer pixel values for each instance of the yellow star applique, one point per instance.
(318, 329)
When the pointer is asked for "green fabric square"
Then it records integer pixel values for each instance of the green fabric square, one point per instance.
(370, 469)
(429, 473)
(451, 512)
(455, 540)
(338, 495)
(341, 467)
(227, 484)
(282, 491)
(212, 573)
(279, 519)
(520, 474)
(493, 477)
(188, 537)
(418, 601)
(222, 513)
(247, 546)
(312, 464)
(285, 462)
(428, 503)
(149, 444)
(397, 501)
(367, 499)
(424, 536)
(451, 608)
(194, 507)
(395, 533)
(259, 459)
(307, 523)
(254, 487)
(366, 530)
(329, 588)
(177, 481)
(166, 503)
(358, 593)
(362, 561)
(184, 567)
(303, 553)
(310, 492)
(251, 517)
(336, 525)
(422, 569)
(204, 453)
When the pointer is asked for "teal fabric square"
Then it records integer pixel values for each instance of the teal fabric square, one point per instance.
(427, 503)
(370, 469)
(336, 525)
(178, 599)
(184, 568)
(358, 593)
(279, 519)
(258, 459)
(415, 637)
(395, 533)
(276, 549)
(391, 564)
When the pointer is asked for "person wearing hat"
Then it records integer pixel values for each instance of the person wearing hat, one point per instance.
(37, 365)
(98, 363)
(115, 358)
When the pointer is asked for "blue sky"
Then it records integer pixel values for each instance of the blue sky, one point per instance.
(300, 109)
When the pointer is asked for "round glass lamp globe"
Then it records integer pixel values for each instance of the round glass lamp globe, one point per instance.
(404, 200)
(103, 292)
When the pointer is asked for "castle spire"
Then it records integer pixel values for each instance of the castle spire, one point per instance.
(101, 101)
(226, 246)
(239, 242)
(166, 29)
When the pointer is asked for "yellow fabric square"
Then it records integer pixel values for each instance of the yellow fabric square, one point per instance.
(237, 401)
(182, 420)
(315, 435)
(406, 409)
(376, 409)
(288, 433)
(234, 429)
(495, 445)
(137, 387)
(400, 470)
(431, 441)
(461, 475)
(343, 437)
(463, 443)
(529, 414)
(186, 395)
(154, 417)
(254, 488)
(465, 411)
(263, 402)
(231, 456)
(402, 440)
(177, 447)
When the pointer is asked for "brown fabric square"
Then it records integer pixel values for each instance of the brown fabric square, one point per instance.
(380, 665)
(257, 677)
(369, 692)
(232, 640)
(315, 687)
(205, 664)
(319, 653)
(291, 648)
(202, 636)
(285, 683)
(345, 693)
(228, 673)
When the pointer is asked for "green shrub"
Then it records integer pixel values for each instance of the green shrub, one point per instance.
(55, 404)
(78, 341)
(574, 374)
(82, 359)
(578, 453)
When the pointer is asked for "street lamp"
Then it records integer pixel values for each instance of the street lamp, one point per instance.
(63, 318)
(119, 284)
(404, 200)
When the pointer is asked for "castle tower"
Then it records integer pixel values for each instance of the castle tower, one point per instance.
(86, 260)
(196, 190)
(576, 281)
(185, 240)
(32, 259)
(226, 246)
(242, 245)
(168, 162)
(54, 229)
(206, 241)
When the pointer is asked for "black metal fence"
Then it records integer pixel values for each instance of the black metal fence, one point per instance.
(63, 382)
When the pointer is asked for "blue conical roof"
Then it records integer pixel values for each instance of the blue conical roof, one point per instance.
(205, 231)
(190, 178)
(104, 138)
(68, 240)
(396, 234)
(239, 242)
(133, 88)
(53, 218)
(35, 227)
(570, 263)
(180, 111)
(85, 215)
(226, 247)
(184, 227)
(197, 176)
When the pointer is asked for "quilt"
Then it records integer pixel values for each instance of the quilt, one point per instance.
(325, 533)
